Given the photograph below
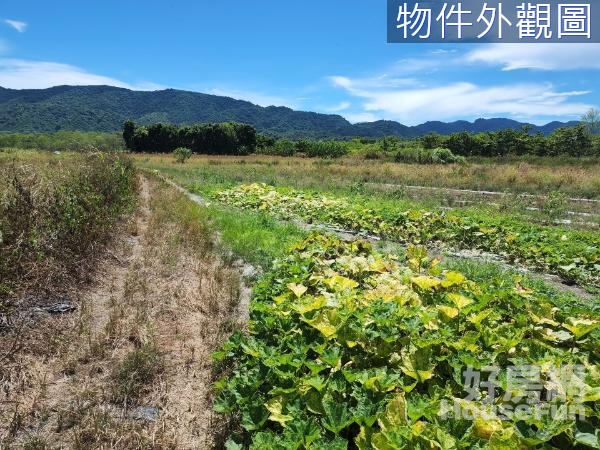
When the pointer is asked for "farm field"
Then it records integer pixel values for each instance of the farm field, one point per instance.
(336, 351)
(570, 191)
(339, 312)
(283, 226)
(560, 250)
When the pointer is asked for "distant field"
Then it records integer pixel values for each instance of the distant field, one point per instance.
(567, 194)
(573, 177)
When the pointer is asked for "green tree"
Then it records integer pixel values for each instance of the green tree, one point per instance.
(182, 154)
(573, 141)
(128, 133)
(591, 120)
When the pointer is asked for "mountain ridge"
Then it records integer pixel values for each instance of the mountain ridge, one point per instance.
(105, 108)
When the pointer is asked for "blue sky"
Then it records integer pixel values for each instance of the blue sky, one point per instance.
(325, 56)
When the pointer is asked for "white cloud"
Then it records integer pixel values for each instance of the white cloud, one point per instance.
(538, 56)
(443, 51)
(461, 100)
(258, 98)
(25, 74)
(377, 82)
(16, 24)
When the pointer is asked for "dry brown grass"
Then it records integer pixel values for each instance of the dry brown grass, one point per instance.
(55, 217)
(141, 338)
(536, 176)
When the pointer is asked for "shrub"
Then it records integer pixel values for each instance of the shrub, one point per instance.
(279, 148)
(373, 154)
(312, 149)
(424, 156)
(325, 149)
(554, 206)
(182, 154)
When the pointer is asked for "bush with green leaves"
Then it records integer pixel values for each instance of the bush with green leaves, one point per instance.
(350, 348)
(312, 149)
(325, 149)
(182, 154)
(280, 147)
(427, 156)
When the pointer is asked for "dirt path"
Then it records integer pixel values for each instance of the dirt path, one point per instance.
(131, 367)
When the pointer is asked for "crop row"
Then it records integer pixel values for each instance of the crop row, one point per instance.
(350, 348)
(573, 255)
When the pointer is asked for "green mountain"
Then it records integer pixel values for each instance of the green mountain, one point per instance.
(105, 108)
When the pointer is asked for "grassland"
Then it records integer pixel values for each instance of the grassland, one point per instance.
(348, 343)
(570, 176)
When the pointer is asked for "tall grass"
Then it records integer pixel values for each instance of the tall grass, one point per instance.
(63, 141)
(55, 214)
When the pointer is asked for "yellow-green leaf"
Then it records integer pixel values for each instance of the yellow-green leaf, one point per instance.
(341, 283)
(297, 289)
(460, 301)
(322, 322)
(581, 327)
(485, 428)
(426, 283)
(378, 266)
(453, 279)
(275, 407)
(310, 304)
(448, 311)
(592, 394)
(395, 414)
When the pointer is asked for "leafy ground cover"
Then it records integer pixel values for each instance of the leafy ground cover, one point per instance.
(574, 255)
(351, 348)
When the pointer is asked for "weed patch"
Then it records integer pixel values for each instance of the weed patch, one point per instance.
(54, 219)
(135, 373)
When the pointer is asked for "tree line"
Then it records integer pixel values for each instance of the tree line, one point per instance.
(571, 141)
(228, 138)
